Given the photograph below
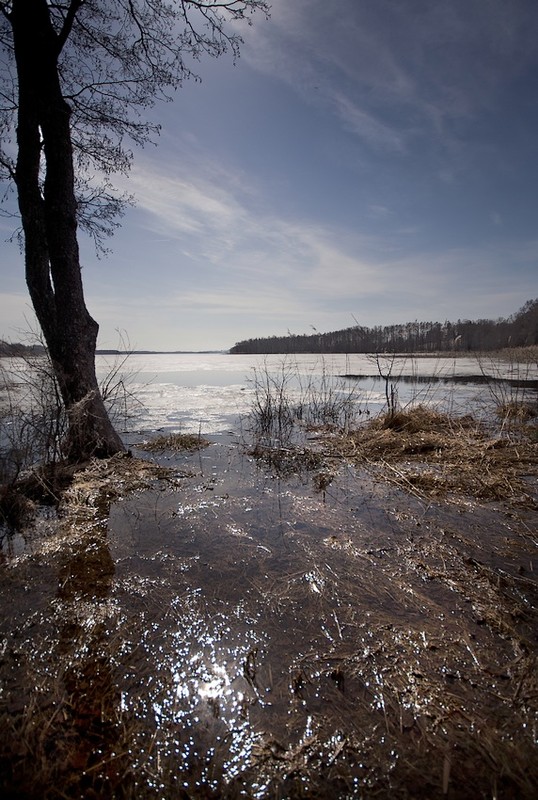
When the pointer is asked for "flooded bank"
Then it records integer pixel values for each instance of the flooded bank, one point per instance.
(211, 625)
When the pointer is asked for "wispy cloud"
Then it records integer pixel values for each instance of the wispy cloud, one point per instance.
(374, 131)
(397, 70)
(239, 259)
(221, 229)
(179, 207)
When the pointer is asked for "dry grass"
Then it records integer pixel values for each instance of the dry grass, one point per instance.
(517, 355)
(518, 411)
(436, 454)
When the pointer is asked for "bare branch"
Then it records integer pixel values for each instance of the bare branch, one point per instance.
(72, 11)
(116, 59)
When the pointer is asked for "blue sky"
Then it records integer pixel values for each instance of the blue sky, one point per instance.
(370, 161)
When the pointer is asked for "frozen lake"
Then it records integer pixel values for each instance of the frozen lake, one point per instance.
(208, 393)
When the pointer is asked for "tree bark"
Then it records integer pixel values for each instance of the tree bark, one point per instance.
(48, 207)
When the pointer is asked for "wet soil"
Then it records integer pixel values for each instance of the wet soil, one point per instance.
(210, 625)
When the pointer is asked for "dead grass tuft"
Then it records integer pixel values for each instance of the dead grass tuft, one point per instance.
(419, 419)
(435, 453)
(106, 480)
(518, 355)
(520, 411)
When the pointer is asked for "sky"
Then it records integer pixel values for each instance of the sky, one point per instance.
(364, 162)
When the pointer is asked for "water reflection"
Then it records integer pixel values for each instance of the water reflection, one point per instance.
(233, 659)
(234, 634)
(92, 711)
(298, 633)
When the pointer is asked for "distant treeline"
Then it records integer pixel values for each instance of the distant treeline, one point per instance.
(17, 350)
(518, 330)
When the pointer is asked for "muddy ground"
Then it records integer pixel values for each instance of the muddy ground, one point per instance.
(355, 618)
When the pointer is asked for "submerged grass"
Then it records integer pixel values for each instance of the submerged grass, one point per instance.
(175, 442)
(246, 638)
(356, 662)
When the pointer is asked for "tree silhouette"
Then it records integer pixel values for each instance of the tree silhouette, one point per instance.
(76, 77)
(519, 330)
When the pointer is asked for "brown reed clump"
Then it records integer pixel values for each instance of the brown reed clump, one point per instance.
(433, 454)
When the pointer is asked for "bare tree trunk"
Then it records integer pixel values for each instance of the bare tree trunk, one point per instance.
(48, 212)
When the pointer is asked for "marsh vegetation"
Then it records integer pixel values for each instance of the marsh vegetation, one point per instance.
(327, 604)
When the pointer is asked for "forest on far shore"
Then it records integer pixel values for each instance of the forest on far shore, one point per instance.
(518, 330)
(16, 349)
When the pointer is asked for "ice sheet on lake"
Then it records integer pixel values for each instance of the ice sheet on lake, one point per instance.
(189, 409)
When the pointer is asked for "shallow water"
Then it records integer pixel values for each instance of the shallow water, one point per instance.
(235, 633)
